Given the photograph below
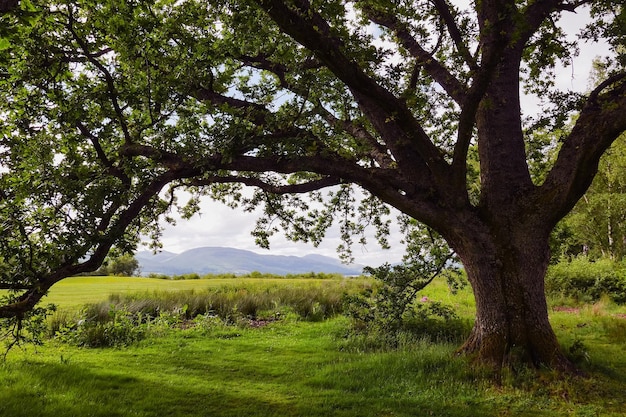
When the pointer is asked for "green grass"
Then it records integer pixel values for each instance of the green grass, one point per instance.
(297, 368)
(73, 293)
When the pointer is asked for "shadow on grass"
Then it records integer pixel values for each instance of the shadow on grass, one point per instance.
(44, 389)
(294, 370)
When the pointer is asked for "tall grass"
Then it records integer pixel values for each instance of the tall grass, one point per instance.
(124, 319)
(309, 302)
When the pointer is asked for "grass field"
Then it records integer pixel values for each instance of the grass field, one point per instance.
(297, 368)
(72, 293)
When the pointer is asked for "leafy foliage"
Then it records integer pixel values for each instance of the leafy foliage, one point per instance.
(124, 265)
(28, 329)
(588, 280)
(393, 307)
(110, 108)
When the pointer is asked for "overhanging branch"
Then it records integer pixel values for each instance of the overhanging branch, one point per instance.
(26, 301)
(433, 67)
(270, 188)
(600, 122)
(410, 145)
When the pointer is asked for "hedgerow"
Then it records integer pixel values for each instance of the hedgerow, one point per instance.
(587, 280)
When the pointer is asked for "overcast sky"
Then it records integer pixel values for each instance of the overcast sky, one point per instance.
(219, 225)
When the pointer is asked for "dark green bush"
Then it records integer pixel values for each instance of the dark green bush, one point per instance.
(587, 280)
(158, 276)
(181, 277)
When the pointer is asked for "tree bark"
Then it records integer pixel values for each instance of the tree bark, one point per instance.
(506, 267)
(8, 5)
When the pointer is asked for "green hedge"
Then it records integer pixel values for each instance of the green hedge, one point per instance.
(587, 280)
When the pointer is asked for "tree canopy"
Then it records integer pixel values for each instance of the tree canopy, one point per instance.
(597, 224)
(106, 104)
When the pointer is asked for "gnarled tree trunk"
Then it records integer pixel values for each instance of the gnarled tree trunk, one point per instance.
(506, 267)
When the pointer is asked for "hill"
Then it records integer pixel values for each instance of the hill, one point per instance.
(217, 260)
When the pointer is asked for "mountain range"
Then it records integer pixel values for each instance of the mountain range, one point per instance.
(218, 260)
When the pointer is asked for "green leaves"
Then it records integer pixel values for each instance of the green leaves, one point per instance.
(106, 103)
(597, 224)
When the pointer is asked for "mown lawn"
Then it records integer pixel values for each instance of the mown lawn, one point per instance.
(298, 368)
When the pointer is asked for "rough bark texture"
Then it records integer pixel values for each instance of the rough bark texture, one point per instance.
(507, 277)
(8, 5)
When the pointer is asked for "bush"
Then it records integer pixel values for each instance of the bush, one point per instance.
(120, 329)
(123, 265)
(391, 313)
(158, 276)
(192, 275)
(586, 280)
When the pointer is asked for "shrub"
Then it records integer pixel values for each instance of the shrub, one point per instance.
(391, 313)
(158, 276)
(181, 277)
(586, 280)
(122, 329)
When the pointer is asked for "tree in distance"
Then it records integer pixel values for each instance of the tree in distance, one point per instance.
(122, 265)
(418, 104)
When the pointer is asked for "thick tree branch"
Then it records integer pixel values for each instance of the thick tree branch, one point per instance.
(412, 148)
(433, 67)
(329, 164)
(601, 121)
(536, 13)
(256, 113)
(265, 186)
(403, 193)
(263, 63)
(31, 297)
(8, 5)
(444, 10)
(572, 6)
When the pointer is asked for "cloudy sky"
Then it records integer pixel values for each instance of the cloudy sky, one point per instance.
(219, 225)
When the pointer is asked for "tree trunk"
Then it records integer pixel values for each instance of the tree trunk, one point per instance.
(506, 269)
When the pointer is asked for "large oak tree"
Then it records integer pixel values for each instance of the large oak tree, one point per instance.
(106, 103)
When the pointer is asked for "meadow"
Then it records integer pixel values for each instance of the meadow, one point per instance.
(288, 363)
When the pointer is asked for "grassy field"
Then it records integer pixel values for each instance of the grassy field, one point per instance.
(298, 368)
(72, 293)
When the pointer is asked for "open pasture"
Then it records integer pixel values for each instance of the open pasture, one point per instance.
(72, 293)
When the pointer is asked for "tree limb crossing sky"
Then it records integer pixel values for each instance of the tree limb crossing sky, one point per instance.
(218, 225)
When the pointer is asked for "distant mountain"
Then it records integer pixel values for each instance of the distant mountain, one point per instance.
(217, 260)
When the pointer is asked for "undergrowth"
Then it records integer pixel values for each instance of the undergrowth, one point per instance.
(586, 280)
(392, 314)
(125, 319)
